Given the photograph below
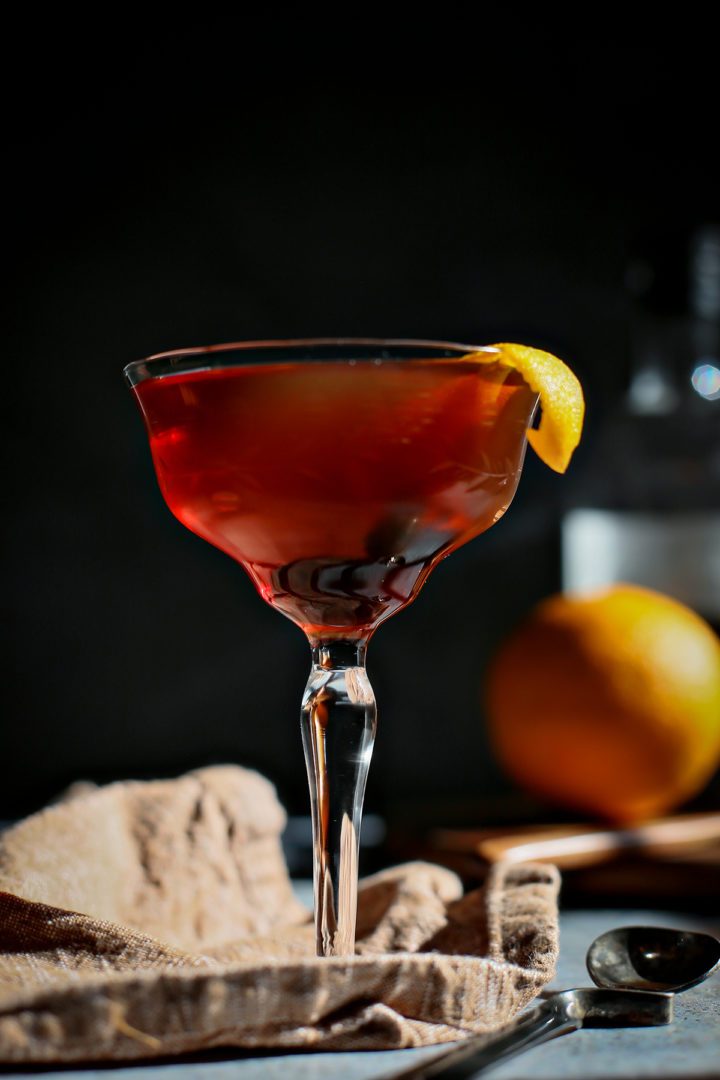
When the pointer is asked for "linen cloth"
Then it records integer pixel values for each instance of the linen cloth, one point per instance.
(146, 920)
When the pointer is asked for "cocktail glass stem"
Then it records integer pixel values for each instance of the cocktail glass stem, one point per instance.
(338, 728)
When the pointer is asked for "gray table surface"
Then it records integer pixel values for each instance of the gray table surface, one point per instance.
(689, 1048)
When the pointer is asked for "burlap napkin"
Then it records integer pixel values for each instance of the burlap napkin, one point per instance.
(190, 936)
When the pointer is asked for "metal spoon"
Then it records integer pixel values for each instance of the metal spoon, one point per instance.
(637, 969)
(652, 958)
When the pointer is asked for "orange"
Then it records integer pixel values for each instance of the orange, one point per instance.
(608, 703)
(561, 399)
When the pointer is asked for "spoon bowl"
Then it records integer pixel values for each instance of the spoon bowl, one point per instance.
(652, 958)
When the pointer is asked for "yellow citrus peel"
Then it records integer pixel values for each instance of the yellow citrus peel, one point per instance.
(561, 400)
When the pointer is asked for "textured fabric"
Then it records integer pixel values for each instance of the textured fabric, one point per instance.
(143, 920)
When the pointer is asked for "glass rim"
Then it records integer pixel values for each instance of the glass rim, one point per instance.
(176, 360)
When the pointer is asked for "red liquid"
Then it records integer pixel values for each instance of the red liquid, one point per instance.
(338, 486)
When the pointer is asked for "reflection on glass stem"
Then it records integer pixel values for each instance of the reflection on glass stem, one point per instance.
(338, 723)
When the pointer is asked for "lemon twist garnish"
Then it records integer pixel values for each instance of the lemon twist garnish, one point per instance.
(561, 400)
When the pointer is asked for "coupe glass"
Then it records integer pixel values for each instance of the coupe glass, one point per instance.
(338, 473)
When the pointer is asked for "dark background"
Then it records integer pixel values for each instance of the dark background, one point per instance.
(189, 184)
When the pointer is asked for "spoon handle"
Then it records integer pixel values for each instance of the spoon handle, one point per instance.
(531, 1028)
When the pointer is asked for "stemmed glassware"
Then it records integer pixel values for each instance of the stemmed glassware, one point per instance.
(338, 473)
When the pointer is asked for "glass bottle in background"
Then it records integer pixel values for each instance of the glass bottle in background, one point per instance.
(649, 508)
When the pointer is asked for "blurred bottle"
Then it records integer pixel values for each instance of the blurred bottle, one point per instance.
(649, 509)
